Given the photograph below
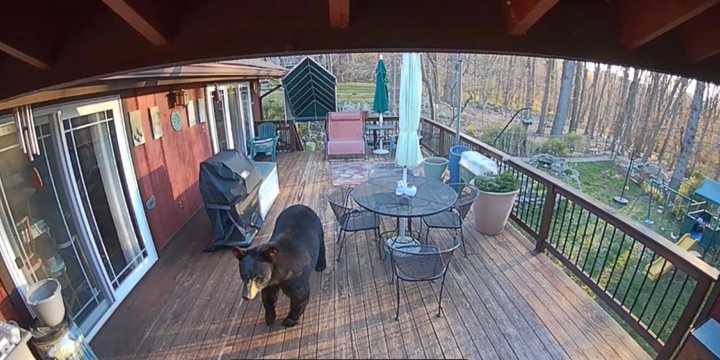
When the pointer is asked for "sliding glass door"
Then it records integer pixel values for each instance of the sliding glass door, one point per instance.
(74, 212)
(232, 125)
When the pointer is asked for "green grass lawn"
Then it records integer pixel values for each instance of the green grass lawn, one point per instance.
(356, 92)
(601, 181)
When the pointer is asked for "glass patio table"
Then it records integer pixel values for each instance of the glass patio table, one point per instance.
(378, 196)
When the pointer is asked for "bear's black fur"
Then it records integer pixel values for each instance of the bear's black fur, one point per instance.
(285, 262)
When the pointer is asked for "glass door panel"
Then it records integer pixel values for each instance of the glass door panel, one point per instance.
(236, 118)
(92, 150)
(40, 227)
(247, 110)
(218, 101)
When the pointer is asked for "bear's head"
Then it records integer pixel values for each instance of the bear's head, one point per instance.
(256, 268)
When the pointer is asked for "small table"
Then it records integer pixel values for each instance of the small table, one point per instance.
(378, 196)
(378, 127)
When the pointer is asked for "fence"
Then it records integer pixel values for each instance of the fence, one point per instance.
(656, 287)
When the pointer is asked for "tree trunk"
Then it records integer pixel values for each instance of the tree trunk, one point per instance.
(629, 116)
(549, 70)
(619, 116)
(563, 103)
(426, 79)
(599, 113)
(578, 95)
(593, 98)
(688, 139)
(679, 100)
(529, 89)
(709, 112)
(650, 100)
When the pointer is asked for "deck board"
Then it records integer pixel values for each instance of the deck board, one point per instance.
(500, 302)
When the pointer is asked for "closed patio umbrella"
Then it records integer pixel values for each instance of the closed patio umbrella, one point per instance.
(380, 102)
(408, 146)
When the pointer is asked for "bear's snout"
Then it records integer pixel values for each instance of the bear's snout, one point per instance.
(250, 289)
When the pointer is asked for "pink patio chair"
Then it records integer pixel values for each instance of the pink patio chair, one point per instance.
(345, 133)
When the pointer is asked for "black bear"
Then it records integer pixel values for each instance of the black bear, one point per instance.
(285, 262)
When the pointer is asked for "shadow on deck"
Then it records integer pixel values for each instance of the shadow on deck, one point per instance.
(501, 301)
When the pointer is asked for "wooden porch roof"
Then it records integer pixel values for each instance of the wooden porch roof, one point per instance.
(48, 43)
(502, 302)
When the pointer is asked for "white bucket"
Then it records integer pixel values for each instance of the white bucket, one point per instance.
(45, 298)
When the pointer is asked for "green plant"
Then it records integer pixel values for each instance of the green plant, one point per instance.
(574, 142)
(555, 146)
(502, 183)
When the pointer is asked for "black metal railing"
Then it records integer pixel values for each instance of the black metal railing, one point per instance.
(656, 287)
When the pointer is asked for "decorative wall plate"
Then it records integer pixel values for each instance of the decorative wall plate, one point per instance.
(176, 120)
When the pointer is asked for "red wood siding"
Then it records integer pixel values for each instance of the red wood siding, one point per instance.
(167, 168)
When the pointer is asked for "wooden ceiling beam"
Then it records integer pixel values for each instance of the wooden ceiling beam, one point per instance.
(701, 35)
(339, 11)
(137, 21)
(521, 15)
(644, 20)
(26, 58)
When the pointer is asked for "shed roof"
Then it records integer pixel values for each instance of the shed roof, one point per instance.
(309, 91)
(710, 190)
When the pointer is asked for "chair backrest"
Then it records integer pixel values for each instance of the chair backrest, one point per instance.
(266, 130)
(338, 199)
(346, 126)
(466, 196)
(418, 262)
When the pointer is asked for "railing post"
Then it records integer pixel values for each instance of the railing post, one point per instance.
(547, 217)
(687, 319)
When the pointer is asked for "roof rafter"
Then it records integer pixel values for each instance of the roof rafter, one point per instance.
(644, 20)
(701, 35)
(24, 57)
(137, 21)
(339, 12)
(521, 15)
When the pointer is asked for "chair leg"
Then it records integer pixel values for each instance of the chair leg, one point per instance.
(342, 243)
(378, 241)
(397, 299)
(442, 287)
(462, 241)
(427, 235)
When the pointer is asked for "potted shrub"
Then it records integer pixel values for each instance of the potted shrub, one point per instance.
(495, 201)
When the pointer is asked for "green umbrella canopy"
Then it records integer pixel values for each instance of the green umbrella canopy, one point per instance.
(380, 103)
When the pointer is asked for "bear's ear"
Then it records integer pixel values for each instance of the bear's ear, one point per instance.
(270, 253)
(238, 252)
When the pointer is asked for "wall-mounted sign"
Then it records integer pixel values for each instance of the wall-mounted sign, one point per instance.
(191, 113)
(176, 120)
(201, 110)
(155, 123)
(136, 129)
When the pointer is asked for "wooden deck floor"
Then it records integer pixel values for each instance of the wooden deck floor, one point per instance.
(502, 302)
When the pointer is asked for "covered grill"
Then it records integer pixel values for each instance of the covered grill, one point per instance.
(229, 184)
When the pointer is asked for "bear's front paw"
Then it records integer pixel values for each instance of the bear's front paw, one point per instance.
(288, 322)
(269, 318)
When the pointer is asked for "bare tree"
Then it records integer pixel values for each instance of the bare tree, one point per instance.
(578, 93)
(529, 89)
(549, 70)
(563, 104)
(688, 140)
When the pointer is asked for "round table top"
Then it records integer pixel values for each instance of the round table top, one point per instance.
(378, 195)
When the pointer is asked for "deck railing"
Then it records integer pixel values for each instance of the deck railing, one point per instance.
(611, 254)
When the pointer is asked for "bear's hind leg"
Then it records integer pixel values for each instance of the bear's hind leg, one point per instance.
(269, 299)
(299, 298)
(321, 263)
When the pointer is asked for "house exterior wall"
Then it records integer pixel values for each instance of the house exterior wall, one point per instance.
(167, 168)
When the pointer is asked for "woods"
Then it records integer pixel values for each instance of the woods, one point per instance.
(616, 110)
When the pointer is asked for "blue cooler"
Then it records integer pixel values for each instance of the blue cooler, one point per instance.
(454, 164)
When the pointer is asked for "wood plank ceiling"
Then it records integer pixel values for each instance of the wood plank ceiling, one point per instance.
(48, 43)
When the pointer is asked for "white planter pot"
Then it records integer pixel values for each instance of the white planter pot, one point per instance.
(491, 211)
(45, 299)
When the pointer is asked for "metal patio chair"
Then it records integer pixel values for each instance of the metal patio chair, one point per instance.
(453, 218)
(421, 262)
(351, 219)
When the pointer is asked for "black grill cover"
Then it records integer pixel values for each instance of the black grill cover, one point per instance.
(229, 184)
